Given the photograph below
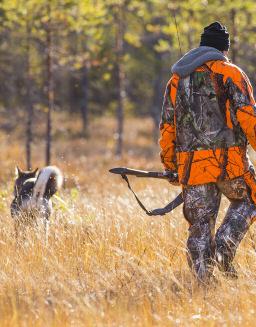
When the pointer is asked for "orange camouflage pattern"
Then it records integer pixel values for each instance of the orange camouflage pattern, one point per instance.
(207, 120)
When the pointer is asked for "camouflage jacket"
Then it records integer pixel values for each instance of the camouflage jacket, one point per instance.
(207, 120)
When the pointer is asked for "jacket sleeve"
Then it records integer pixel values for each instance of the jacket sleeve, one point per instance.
(241, 98)
(167, 127)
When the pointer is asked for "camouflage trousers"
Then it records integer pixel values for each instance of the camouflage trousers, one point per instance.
(201, 206)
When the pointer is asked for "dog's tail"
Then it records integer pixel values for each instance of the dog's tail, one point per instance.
(49, 181)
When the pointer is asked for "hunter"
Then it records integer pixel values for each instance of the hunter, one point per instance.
(208, 118)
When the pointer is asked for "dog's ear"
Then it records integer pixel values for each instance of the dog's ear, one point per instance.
(18, 172)
(34, 172)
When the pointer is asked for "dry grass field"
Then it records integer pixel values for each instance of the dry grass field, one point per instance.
(107, 263)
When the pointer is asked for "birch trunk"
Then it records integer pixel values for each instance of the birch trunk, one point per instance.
(29, 103)
(50, 89)
(120, 80)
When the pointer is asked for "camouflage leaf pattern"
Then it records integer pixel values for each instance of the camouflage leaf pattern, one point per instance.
(201, 114)
(207, 120)
(201, 205)
(167, 108)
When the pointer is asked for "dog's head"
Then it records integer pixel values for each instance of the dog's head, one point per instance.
(21, 177)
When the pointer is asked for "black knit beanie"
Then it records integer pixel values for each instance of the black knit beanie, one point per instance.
(216, 35)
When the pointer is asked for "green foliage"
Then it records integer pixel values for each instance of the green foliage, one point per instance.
(84, 35)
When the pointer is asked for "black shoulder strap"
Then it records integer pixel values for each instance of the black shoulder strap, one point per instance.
(160, 211)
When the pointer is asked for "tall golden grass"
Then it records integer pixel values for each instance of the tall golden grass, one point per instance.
(107, 263)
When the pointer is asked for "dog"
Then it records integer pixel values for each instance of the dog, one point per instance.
(32, 196)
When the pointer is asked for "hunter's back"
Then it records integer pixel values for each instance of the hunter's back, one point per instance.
(204, 119)
(202, 113)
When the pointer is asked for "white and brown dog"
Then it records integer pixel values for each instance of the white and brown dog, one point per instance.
(32, 196)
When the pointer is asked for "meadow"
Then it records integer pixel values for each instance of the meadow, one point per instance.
(107, 263)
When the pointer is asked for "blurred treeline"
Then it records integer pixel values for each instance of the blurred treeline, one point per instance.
(98, 57)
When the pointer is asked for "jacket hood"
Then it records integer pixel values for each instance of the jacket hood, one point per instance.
(196, 58)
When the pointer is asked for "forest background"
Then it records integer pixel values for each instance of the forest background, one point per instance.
(81, 87)
(111, 58)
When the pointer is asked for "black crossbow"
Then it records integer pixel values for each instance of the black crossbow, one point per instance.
(172, 177)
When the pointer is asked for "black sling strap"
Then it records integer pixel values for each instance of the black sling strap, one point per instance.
(159, 211)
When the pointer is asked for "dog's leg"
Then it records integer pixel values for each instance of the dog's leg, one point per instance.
(16, 230)
(46, 230)
(19, 230)
(47, 214)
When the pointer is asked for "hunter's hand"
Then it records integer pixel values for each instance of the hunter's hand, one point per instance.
(172, 176)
